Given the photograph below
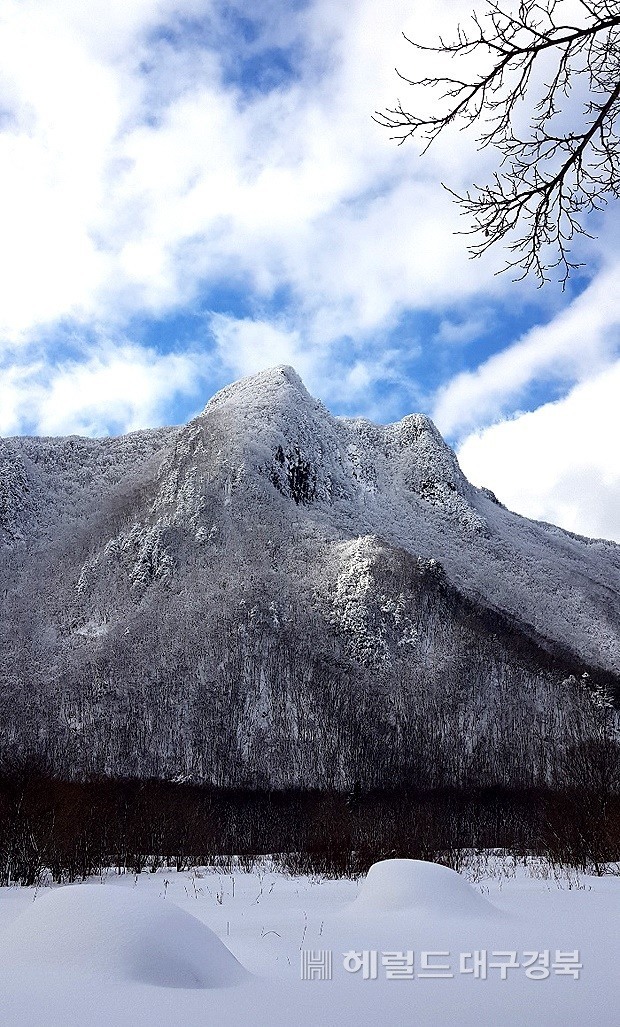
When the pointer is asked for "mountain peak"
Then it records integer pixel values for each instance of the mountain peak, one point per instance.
(275, 383)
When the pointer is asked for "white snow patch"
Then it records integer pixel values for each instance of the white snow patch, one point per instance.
(428, 888)
(121, 934)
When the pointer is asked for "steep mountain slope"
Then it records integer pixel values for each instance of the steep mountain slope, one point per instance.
(272, 594)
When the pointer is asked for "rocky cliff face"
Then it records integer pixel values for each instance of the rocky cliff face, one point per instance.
(273, 595)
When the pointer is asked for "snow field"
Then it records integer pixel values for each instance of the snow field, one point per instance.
(125, 950)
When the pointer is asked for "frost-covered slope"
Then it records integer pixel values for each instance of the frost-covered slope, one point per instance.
(44, 482)
(237, 585)
(402, 484)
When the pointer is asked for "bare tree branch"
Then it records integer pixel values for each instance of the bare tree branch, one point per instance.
(549, 178)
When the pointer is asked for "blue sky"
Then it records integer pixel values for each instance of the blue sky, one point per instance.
(191, 192)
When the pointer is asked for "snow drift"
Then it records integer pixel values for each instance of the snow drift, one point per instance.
(121, 934)
(420, 887)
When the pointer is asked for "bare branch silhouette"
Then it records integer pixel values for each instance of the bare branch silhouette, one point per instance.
(566, 164)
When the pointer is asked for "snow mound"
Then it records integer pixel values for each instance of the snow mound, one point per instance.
(428, 888)
(120, 933)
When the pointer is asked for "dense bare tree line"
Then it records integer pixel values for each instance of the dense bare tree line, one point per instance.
(65, 831)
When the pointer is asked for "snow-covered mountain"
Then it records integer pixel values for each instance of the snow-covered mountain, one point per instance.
(270, 594)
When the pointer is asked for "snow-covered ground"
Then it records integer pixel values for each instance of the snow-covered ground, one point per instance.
(224, 946)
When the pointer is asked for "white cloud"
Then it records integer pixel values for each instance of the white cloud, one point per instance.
(120, 387)
(70, 94)
(130, 171)
(568, 349)
(457, 333)
(560, 462)
(246, 346)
